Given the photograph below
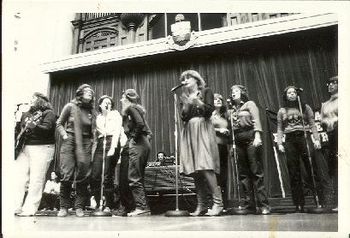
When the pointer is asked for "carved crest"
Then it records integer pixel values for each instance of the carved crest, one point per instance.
(182, 38)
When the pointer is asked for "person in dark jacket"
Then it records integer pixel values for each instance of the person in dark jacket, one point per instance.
(76, 150)
(199, 155)
(134, 156)
(38, 137)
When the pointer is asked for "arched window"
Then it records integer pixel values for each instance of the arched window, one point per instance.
(100, 39)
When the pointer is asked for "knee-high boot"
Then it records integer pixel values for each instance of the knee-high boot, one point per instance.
(201, 208)
(218, 206)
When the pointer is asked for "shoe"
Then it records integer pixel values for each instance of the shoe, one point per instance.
(18, 211)
(139, 212)
(79, 212)
(120, 213)
(200, 211)
(63, 212)
(216, 210)
(265, 210)
(25, 214)
(299, 209)
(107, 209)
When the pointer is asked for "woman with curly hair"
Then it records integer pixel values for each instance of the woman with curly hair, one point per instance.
(199, 154)
(38, 127)
(247, 130)
(75, 155)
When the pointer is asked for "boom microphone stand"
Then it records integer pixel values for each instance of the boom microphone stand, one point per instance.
(176, 212)
(318, 208)
(100, 212)
(236, 210)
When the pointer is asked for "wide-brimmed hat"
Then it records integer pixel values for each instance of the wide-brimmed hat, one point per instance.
(132, 95)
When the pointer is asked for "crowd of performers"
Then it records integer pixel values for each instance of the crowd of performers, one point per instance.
(214, 131)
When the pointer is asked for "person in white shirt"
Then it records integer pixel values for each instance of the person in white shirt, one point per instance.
(51, 191)
(109, 125)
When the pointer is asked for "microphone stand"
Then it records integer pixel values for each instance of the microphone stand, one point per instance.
(100, 212)
(236, 210)
(176, 212)
(318, 208)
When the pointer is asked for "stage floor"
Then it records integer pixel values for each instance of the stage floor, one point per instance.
(274, 222)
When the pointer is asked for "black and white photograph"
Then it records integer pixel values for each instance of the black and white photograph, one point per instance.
(175, 118)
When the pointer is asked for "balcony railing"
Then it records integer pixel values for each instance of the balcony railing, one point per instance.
(90, 16)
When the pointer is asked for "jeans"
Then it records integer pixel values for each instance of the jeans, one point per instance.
(251, 173)
(75, 169)
(109, 173)
(132, 171)
(32, 164)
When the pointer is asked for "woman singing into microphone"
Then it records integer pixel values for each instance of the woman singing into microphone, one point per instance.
(199, 154)
(289, 123)
(109, 125)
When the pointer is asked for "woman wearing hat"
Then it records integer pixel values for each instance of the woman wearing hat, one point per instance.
(221, 124)
(109, 126)
(76, 125)
(247, 130)
(134, 156)
(199, 154)
(290, 124)
(33, 160)
(329, 120)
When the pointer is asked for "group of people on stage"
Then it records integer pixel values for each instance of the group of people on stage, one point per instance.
(94, 140)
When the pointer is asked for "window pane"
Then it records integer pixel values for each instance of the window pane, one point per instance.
(211, 20)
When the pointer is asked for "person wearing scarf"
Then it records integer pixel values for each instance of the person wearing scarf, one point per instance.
(79, 118)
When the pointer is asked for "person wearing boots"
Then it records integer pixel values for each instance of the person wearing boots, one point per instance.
(221, 124)
(329, 120)
(109, 127)
(247, 130)
(199, 155)
(289, 123)
(35, 145)
(76, 125)
(134, 156)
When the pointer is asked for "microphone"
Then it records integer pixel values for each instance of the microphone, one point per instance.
(178, 86)
(300, 90)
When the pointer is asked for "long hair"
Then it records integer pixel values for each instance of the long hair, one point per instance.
(40, 104)
(135, 105)
(223, 108)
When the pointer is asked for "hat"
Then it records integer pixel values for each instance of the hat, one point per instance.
(81, 88)
(103, 97)
(132, 95)
(42, 96)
